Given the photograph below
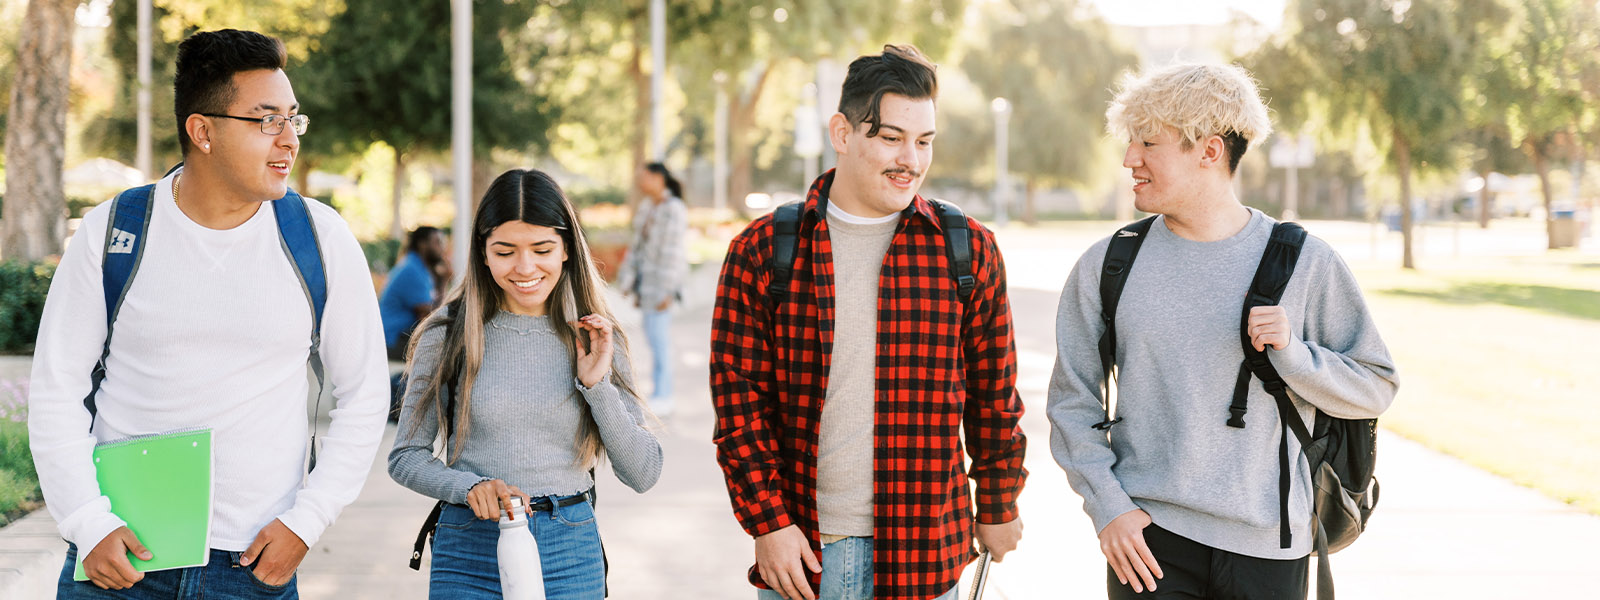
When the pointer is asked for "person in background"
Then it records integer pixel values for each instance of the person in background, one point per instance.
(654, 270)
(412, 289)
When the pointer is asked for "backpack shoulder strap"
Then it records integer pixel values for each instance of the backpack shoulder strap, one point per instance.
(1266, 289)
(785, 241)
(957, 245)
(1124, 247)
(299, 238)
(120, 256)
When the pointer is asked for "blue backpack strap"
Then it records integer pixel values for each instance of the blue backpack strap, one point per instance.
(299, 238)
(119, 260)
(300, 243)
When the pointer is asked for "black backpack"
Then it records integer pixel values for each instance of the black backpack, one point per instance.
(786, 239)
(1341, 452)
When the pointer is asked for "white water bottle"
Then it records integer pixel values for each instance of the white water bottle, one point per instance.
(521, 576)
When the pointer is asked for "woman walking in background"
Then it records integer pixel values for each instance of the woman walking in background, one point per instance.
(529, 382)
(654, 271)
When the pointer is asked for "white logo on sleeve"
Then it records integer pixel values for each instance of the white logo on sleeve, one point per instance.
(121, 242)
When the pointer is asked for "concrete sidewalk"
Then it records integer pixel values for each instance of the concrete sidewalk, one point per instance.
(1443, 529)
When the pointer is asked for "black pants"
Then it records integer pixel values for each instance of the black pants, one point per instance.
(1196, 571)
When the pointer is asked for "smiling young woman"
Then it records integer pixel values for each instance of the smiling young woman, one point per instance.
(526, 355)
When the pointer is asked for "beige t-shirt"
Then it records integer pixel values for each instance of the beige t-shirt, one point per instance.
(845, 448)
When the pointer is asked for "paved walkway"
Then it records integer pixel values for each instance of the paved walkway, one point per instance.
(1443, 529)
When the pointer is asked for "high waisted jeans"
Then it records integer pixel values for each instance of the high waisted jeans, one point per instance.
(465, 563)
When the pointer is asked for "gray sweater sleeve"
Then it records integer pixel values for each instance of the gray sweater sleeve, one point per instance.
(1337, 361)
(634, 451)
(1075, 399)
(412, 462)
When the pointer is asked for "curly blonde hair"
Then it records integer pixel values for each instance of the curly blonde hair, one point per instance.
(1197, 100)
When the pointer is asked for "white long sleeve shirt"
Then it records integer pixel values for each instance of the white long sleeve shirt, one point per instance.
(214, 332)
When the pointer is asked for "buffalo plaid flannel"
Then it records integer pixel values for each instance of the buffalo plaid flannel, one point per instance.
(942, 363)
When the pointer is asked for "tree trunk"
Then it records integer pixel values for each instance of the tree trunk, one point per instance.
(483, 173)
(34, 223)
(1030, 208)
(1541, 165)
(741, 120)
(397, 230)
(302, 177)
(1483, 201)
(1339, 197)
(1402, 159)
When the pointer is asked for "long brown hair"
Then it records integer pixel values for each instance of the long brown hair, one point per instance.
(532, 197)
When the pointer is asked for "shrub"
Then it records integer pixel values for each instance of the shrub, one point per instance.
(23, 286)
(19, 483)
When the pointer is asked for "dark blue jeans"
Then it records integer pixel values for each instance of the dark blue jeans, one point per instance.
(223, 577)
(466, 565)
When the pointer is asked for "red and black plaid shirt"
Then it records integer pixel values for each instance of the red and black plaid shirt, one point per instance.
(942, 363)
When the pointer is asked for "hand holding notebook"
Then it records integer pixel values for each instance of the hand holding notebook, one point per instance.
(161, 487)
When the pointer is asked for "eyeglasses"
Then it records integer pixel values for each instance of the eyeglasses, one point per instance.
(271, 124)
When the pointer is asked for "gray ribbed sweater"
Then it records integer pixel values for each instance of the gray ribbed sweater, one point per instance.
(1178, 344)
(526, 413)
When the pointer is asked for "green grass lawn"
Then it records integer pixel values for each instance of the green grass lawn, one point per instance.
(1500, 365)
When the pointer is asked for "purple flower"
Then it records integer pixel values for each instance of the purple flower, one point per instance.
(14, 400)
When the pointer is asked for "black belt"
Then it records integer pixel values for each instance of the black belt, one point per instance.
(544, 504)
(432, 522)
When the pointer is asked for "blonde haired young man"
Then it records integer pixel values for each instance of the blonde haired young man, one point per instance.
(1186, 505)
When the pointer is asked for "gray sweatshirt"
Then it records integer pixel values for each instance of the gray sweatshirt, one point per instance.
(1179, 352)
(526, 415)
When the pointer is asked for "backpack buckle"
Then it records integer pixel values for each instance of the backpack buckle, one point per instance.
(1106, 425)
(1237, 420)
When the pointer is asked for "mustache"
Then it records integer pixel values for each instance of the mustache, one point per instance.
(913, 174)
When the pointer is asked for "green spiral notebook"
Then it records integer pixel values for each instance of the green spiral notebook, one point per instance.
(160, 485)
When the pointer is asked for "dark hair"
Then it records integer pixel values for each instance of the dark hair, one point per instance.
(532, 197)
(206, 64)
(420, 236)
(672, 183)
(1236, 145)
(900, 70)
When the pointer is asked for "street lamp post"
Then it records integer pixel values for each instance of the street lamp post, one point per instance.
(461, 128)
(719, 165)
(808, 133)
(1002, 179)
(658, 69)
(142, 156)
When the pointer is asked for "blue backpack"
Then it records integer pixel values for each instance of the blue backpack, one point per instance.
(124, 247)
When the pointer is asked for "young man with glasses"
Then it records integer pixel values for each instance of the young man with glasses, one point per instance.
(844, 376)
(213, 332)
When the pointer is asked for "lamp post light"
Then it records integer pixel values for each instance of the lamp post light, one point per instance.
(1002, 179)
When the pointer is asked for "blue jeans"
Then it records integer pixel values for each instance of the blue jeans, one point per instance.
(846, 572)
(466, 565)
(658, 332)
(223, 577)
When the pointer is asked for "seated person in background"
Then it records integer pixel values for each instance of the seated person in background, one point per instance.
(410, 293)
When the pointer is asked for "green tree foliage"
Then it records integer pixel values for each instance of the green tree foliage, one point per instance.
(1057, 69)
(1535, 75)
(296, 22)
(1397, 67)
(381, 74)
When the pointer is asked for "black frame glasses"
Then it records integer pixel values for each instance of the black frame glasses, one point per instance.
(271, 124)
